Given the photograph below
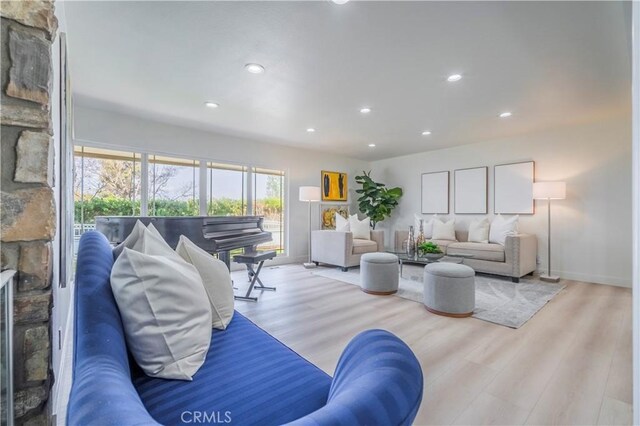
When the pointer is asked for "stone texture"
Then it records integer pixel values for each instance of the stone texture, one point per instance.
(35, 266)
(30, 72)
(27, 215)
(39, 420)
(34, 158)
(36, 353)
(9, 255)
(31, 308)
(33, 13)
(18, 115)
(28, 399)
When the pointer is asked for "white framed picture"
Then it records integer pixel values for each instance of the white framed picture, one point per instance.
(470, 190)
(513, 188)
(435, 193)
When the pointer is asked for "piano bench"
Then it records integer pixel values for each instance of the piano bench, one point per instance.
(249, 259)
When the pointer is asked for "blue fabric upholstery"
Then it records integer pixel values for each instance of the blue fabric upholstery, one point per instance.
(249, 374)
(249, 377)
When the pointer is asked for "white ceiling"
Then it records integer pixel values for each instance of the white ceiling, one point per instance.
(551, 64)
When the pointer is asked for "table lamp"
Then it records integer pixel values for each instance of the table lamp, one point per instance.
(549, 191)
(310, 194)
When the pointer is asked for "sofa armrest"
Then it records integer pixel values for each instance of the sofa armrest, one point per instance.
(378, 237)
(378, 380)
(332, 247)
(521, 251)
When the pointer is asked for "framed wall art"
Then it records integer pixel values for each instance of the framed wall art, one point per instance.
(328, 214)
(334, 186)
(513, 188)
(435, 193)
(470, 190)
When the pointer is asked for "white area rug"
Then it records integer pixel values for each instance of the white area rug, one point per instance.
(498, 300)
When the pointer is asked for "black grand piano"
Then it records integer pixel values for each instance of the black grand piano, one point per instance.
(214, 234)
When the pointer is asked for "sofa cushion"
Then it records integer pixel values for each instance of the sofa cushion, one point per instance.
(361, 246)
(248, 374)
(480, 251)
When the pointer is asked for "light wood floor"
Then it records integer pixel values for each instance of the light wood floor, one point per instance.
(570, 364)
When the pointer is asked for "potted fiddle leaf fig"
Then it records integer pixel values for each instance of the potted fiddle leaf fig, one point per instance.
(376, 200)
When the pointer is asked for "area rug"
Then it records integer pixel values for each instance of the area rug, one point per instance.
(498, 300)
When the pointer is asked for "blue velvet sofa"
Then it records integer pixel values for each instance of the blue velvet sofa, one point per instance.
(249, 377)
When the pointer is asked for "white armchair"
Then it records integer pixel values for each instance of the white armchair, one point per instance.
(339, 248)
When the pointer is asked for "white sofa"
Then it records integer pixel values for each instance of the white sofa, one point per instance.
(515, 259)
(339, 248)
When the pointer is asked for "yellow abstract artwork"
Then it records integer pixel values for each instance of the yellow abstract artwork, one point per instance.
(334, 186)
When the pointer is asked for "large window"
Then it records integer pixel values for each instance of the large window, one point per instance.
(268, 201)
(113, 183)
(173, 186)
(105, 183)
(227, 195)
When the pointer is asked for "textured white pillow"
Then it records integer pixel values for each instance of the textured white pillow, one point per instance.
(479, 231)
(444, 230)
(342, 224)
(164, 308)
(359, 228)
(501, 228)
(216, 279)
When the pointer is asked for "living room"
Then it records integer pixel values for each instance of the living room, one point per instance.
(495, 254)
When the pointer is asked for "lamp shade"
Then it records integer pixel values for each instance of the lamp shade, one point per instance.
(309, 193)
(549, 190)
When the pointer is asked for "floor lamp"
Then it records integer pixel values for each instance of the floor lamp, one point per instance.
(549, 191)
(310, 194)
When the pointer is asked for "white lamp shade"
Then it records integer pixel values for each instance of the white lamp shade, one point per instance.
(549, 190)
(309, 193)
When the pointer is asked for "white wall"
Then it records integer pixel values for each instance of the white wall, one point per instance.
(591, 234)
(106, 128)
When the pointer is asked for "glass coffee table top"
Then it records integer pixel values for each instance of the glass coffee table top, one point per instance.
(403, 258)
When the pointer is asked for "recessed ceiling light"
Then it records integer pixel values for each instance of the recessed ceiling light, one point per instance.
(311, 130)
(212, 104)
(454, 77)
(339, 1)
(505, 114)
(254, 68)
(365, 110)
(426, 133)
(372, 145)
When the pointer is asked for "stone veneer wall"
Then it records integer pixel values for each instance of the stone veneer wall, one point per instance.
(28, 212)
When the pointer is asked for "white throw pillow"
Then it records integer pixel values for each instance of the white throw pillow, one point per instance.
(216, 279)
(164, 308)
(479, 231)
(342, 224)
(359, 228)
(427, 225)
(501, 228)
(131, 239)
(444, 230)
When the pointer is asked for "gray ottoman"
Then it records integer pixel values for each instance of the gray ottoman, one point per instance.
(449, 289)
(379, 273)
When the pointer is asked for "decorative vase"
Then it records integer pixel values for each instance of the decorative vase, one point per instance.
(420, 238)
(411, 243)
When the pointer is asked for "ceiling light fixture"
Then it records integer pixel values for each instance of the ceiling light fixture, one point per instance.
(454, 77)
(212, 104)
(254, 68)
(339, 1)
(426, 133)
(365, 110)
(372, 145)
(505, 114)
(311, 130)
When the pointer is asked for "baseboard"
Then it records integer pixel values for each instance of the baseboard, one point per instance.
(595, 279)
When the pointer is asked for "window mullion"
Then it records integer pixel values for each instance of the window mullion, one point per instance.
(144, 185)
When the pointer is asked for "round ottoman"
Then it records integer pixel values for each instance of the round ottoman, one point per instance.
(379, 273)
(449, 289)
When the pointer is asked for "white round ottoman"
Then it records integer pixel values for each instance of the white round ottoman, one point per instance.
(379, 273)
(449, 289)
